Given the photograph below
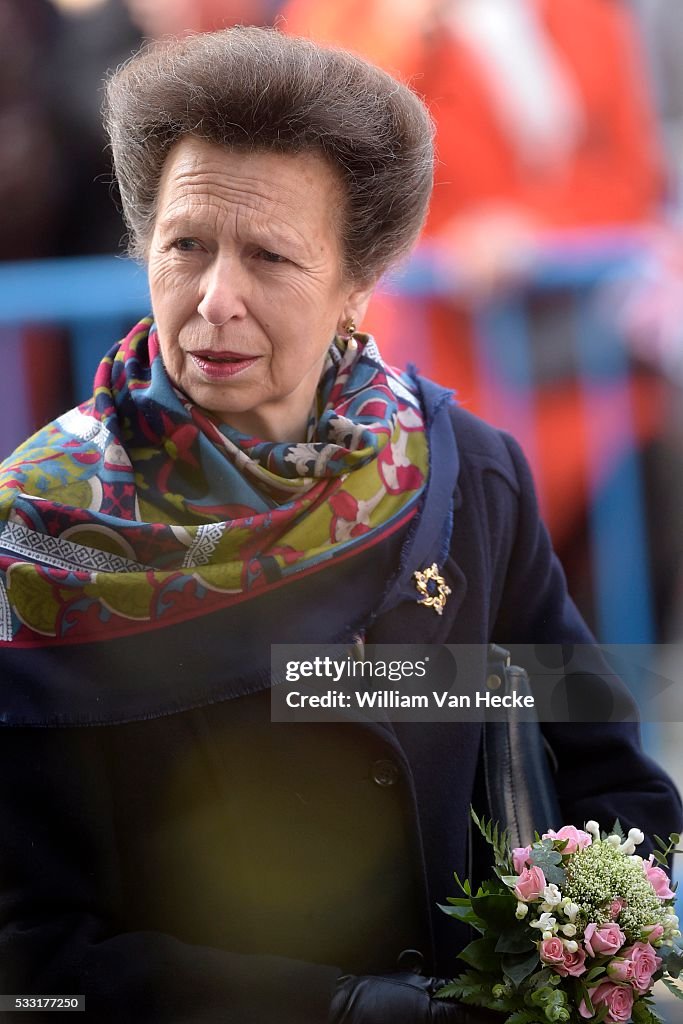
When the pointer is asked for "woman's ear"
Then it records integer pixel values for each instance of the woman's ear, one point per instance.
(356, 304)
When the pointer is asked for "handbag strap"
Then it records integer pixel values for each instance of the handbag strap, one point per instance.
(518, 764)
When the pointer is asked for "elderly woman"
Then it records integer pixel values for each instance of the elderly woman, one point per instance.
(248, 471)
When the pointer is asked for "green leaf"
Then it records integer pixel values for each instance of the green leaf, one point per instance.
(584, 995)
(672, 960)
(673, 987)
(522, 1017)
(540, 978)
(450, 991)
(594, 973)
(464, 914)
(463, 886)
(514, 940)
(498, 911)
(644, 1014)
(471, 985)
(500, 841)
(481, 954)
(549, 861)
(617, 830)
(517, 967)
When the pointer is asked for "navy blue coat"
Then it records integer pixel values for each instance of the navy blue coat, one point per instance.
(170, 852)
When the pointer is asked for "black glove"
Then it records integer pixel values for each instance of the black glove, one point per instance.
(403, 998)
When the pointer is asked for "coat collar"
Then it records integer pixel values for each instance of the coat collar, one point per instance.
(428, 542)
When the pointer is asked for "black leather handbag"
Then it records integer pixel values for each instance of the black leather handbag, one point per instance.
(518, 767)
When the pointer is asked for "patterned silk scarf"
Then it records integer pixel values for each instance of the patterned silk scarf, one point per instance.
(137, 509)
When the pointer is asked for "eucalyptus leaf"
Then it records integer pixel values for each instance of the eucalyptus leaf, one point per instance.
(672, 960)
(549, 861)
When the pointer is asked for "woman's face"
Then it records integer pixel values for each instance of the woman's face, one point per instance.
(245, 271)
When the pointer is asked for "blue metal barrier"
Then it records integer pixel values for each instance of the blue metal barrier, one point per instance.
(98, 298)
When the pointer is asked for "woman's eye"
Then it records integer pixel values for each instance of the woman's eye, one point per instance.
(271, 257)
(185, 244)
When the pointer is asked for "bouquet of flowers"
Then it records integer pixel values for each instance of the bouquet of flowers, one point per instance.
(576, 927)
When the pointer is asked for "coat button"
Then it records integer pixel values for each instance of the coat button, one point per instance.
(410, 960)
(385, 773)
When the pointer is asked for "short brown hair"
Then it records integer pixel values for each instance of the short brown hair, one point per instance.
(257, 89)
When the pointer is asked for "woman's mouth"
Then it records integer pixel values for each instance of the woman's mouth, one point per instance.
(219, 365)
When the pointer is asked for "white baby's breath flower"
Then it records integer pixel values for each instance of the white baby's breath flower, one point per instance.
(521, 911)
(601, 879)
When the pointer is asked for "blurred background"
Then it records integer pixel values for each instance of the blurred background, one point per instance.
(547, 290)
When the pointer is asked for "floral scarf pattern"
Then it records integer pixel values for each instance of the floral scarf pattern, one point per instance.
(138, 509)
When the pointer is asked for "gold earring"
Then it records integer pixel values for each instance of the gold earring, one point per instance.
(349, 328)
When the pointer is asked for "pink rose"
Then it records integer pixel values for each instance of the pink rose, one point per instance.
(645, 963)
(573, 964)
(520, 856)
(576, 839)
(653, 932)
(530, 884)
(616, 907)
(617, 998)
(658, 879)
(551, 951)
(620, 970)
(606, 939)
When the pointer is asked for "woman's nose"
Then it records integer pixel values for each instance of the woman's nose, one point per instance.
(223, 294)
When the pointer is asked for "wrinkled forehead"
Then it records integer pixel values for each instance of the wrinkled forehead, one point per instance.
(301, 190)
